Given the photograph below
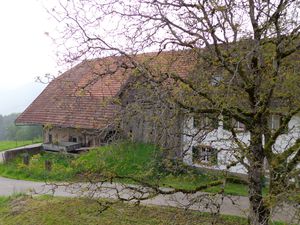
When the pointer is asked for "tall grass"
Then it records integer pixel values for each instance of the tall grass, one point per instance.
(124, 159)
(61, 168)
(74, 211)
(120, 162)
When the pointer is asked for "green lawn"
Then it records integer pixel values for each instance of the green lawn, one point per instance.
(4, 145)
(45, 210)
(124, 162)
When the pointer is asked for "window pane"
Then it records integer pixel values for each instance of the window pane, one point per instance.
(204, 154)
(229, 123)
(274, 122)
(238, 125)
(206, 121)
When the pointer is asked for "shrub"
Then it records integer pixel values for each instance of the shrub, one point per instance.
(125, 159)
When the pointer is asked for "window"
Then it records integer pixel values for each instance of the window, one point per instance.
(205, 155)
(238, 125)
(72, 139)
(50, 138)
(228, 124)
(275, 121)
(206, 121)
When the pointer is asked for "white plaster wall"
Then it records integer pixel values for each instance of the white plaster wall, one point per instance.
(221, 140)
(62, 134)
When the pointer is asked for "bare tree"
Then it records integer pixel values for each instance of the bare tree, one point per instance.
(249, 47)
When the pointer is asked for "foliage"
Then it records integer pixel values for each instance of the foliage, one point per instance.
(9, 131)
(62, 168)
(3, 200)
(122, 162)
(124, 159)
(253, 46)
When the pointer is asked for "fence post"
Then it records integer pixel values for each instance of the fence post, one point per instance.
(26, 159)
(48, 165)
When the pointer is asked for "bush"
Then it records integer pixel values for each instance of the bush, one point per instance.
(125, 159)
(61, 167)
(236, 180)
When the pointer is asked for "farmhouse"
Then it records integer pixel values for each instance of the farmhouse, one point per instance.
(104, 99)
(85, 105)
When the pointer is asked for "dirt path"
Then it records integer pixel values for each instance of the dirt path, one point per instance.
(233, 205)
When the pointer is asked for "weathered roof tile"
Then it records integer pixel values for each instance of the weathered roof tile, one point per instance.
(81, 96)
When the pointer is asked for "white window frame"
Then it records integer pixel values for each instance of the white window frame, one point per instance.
(239, 126)
(206, 155)
(273, 118)
(236, 125)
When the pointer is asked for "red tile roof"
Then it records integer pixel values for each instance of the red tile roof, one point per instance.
(81, 97)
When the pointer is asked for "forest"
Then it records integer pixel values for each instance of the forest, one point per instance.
(9, 131)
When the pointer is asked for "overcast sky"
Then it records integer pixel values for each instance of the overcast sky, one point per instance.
(25, 51)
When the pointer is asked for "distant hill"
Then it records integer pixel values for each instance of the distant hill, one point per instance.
(15, 100)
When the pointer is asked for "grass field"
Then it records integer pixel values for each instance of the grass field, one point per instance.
(124, 162)
(45, 210)
(62, 169)
(4, 145)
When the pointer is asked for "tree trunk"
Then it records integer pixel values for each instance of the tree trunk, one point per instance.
(259, 212)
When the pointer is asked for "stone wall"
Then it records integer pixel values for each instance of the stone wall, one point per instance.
(13, 153)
